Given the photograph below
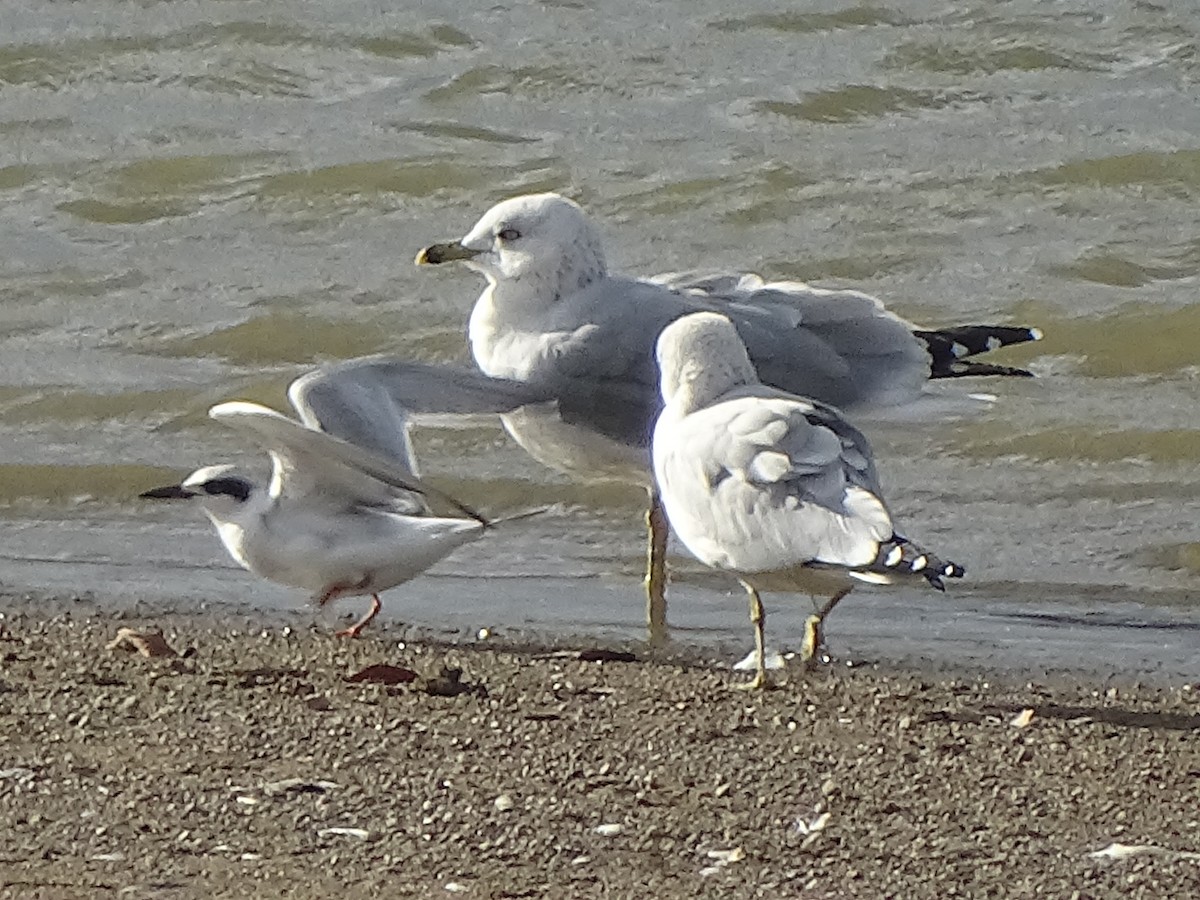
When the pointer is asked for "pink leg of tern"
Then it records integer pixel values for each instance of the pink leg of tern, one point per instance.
(354, 630)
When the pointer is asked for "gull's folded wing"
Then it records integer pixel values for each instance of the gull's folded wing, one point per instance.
(782, 481)
(840, 346)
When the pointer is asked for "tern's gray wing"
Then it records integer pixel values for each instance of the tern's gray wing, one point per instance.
(776, 481)
(839, 347)
(311, 464)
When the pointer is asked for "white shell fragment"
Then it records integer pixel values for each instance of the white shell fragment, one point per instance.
(609, 829)
(722, 858)
(1117, 851)
(807, 827)
(503, 803)
(725, 857)
(748, 663)
(1022, 719)
(347, 832)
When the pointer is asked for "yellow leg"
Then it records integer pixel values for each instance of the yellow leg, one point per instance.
(813, 627)
(656, 570)
(812, 641)
(758, 618)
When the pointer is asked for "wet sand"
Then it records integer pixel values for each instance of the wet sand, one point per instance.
(249, 766)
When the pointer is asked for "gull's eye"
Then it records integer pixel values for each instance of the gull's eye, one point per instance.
(508, 234)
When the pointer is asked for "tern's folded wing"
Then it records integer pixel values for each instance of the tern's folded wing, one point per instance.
(309, 462)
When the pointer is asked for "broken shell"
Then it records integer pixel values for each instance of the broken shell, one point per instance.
(725, 857)
(1022, 719)
(347, 832)
(147, 643)
(748, 663)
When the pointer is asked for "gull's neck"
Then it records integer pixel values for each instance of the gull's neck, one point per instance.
(702, 386)
(513, 322)
(502, 323)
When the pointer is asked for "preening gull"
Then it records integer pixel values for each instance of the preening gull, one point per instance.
(775, 488)
(336, 520)
(566, 349)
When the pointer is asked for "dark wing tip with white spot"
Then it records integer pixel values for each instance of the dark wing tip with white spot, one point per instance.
(901, 555)
(949, 349)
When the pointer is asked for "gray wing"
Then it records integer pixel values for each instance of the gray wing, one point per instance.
(839, 347)
(776, 482)
(347, 399)
(310, 463)
(370, 402)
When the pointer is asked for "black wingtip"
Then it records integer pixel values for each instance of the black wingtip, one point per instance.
(899, 554)
(949, 349)
(946, 570)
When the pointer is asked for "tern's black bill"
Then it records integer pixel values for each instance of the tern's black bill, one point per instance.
(170, 492)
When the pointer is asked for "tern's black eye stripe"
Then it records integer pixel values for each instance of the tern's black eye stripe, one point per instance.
(237, 488)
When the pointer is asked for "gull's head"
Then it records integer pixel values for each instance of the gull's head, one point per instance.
(219, 489)
(535, 238)
(700, 358)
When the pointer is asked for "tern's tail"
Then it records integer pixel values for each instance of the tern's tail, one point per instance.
(950, 347)
(517, 517)
(902, 556)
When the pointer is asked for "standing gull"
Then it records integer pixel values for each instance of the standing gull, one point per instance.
(567, 349)
(335, 519)
(775, 488)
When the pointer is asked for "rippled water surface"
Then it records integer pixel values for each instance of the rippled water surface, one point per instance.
(200, 200)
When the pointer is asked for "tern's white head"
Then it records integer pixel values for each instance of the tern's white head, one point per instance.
(544, 241)
(701, 357)
(220, 490)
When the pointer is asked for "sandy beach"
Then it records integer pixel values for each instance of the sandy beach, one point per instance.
(253, 763)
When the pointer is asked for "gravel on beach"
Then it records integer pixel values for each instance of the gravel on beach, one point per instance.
(252, 763)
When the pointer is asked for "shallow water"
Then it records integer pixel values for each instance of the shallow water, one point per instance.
(200, 200)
